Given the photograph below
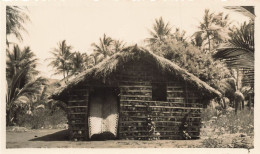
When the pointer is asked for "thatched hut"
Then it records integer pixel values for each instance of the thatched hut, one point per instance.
(135, 94)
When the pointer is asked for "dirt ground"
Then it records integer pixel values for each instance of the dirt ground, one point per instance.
(58, 138)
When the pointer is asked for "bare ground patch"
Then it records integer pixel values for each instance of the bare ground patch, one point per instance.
(57, 138)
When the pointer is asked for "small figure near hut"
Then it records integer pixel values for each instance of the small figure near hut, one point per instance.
(152, 129)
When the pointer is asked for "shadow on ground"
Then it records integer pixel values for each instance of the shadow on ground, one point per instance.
(58, 136)
(103, 136)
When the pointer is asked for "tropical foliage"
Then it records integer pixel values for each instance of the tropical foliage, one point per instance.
(159, 32)
(22, 87)
(179, 35)
(213, 30)
(238, 52)
(105, 48)
(194, 60)
(16, 17)
(78, 62)
(18, 60)
(118, 45)
(22, 98)
(61, 58)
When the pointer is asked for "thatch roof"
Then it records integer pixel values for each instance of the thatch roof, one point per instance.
(111, 64)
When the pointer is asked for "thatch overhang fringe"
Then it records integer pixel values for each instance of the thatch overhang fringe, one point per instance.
(111, 64)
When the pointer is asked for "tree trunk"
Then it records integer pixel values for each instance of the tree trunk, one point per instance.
(236, 106)
(8, 118)
(249, 102)
(208, 40)
(238, 78)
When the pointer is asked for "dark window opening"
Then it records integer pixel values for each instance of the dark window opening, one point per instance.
(159, 92)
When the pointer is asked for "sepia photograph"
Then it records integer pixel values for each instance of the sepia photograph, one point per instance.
(128, 74)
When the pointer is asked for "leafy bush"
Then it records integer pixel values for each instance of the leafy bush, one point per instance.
(43, 118)
(55, 119)
(227, 122)
(208, 113)
(192, 59)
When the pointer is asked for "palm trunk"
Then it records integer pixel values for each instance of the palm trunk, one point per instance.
(208, 40)
(237, 78)
(249, 101)
(8, 117)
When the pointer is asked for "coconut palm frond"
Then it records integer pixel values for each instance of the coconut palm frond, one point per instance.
(227, 85)
(245, 10)
(21, 100)
(159, 32)
(61, 60)
(15, 19)
(79, 62)
(18, 59)
(212, 30)
(239, 51)
(118, 45)
(23, 96)
(104, 48)
(14, 84)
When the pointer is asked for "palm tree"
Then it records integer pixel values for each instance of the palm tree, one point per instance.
(78, 62)
(18, 60)
(61, 60)
(20, 96)
(238, 53)
(213, 28)
(197, 40)
(221, 35)
(20, 72)
(179, 35)
(229, 88)
(248, 73)
(103, 50)
(159, 32)
(239, 50)
(118, 45)
(87, 61)
(15, 18)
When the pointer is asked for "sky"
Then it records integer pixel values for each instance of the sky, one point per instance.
(83, 24)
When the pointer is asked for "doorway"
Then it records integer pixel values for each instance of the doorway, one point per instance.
(103, 114)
